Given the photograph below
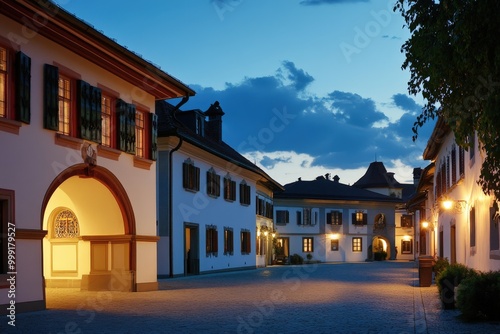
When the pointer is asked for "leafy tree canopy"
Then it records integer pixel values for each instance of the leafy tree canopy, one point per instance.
(453, 56)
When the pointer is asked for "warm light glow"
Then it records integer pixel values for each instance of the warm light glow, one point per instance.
(274, 235)
(425, 224)
(334, 236)
(266, 233)
(447, 204)
(406, 238)
(258, 233)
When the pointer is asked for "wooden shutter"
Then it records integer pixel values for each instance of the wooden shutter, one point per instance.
(83, 108)
(197, 178)
(242, 193)
(51, 98)
(126, 126)
(95, 114)
(23, 87)
(299, 218)
(153, 146)
(365, 218)
(329, 219)
(185, 175)
(339, 218)
(215, 241)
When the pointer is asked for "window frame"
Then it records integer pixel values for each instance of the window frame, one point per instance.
(357, 244)
(406, 247)
(111, 134)
(279, 215)
(141, 126)
(211, 240)
(229, 189)
(334, 217)
(213, 183)
(245, 193)
(71, 106)
(190, 176)
(246, 244)
(307, 244)
(228, 241)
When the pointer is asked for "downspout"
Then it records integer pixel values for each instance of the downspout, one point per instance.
(170, 191)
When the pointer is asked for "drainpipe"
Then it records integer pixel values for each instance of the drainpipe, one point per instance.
(170, 191)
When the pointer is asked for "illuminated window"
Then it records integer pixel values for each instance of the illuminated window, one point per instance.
(106, 105)
(308, 244)
(334, 217)
(359, 218)
(139, 134)
(334, 244)
(3, 82)
(66, 225)
(357, 244)
(64, 105)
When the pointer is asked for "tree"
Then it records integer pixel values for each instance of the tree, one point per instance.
(453, 56)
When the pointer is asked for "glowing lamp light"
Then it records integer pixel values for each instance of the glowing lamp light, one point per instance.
(334, 236)
(425, 225)
(447, 204)
(273, 235)
(266, 233)
(258, 233)
(406, 238)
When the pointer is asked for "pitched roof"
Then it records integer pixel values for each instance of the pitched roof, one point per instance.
(322, 188)
(170, 125)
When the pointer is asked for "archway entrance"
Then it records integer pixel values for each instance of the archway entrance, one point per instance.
(89, 242)
(381, 245)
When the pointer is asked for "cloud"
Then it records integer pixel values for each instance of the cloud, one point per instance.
(299, 77)
(391, 37)
(328, 2)
(266, 116)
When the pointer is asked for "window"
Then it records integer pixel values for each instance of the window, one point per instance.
(406, 247)
(211, 240)
(472, 147)
(213, 183)
(107, 109)
(307, 244)
(139, 134)
(228, 241)
(66, 225)
(190, 176)
(407, 221)
(244, 193)
(245, 242)
(307, 216)
(7, 226)
(461, 161)
(334, 244)
(229, 189)
(357, 244)
(64, 97)
(306, 213)
(359, 218)
(261, 244)
(472, 220)
(263, 207)
(282, 217)
(15, 85)
(334, 217)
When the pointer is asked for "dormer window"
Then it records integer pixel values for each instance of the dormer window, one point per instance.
(199, 125)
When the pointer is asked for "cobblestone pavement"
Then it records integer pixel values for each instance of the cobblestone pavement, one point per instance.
(373, 297)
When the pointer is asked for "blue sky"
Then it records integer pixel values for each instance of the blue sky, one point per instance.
(308, 86)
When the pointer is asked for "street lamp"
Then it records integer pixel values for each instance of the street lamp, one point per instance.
(458, 206)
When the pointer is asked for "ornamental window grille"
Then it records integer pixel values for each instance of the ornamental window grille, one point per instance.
(66, 225)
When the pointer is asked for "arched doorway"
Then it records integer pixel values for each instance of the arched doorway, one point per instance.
(381, 244)
(90, 225)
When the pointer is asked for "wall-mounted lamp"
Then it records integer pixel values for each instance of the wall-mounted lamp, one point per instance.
(458, 206)
(258, 233)
(425, 225)
(273, 235)
(266, 233)
(334, 236)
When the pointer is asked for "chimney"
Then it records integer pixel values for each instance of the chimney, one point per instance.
(327, 176)
(336, 179)
(417, 173)
(213, 129)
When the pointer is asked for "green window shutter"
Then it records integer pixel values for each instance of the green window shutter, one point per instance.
(51, 98)
(126, 126)
(95, 114)
(154, 136)
(131, 129)
(23, 87)
(83, 108)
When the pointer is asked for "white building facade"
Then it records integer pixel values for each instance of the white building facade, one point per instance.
(78, 134)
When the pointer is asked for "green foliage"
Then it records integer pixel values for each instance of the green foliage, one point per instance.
(296, 259)
(379, 255)
(440, 265)
(449, 278)
(478, 297)
(309, 256)
(453, 56)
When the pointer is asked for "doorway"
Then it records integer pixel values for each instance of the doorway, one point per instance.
(191, 249)
(453, 243)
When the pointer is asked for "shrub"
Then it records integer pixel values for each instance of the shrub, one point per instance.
(478, 297)
(309, 256)
(296, 259)
(379, 255)
(448, 279)
(440, 265)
